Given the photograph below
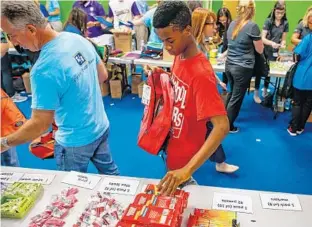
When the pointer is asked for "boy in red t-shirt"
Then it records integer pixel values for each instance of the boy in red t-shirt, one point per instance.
(196, 98)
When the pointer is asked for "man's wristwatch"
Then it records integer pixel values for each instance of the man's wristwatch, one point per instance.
(4, 142)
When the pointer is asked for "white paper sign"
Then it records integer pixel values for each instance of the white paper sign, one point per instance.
(37, 178)
(278, 201)
(119, 186)
(10, 177)
(146, 95)
(81, 180)
(231, 202)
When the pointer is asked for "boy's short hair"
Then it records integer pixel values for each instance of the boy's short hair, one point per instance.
(175, 13)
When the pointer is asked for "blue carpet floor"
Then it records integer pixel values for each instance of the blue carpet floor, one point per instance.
(268, 157)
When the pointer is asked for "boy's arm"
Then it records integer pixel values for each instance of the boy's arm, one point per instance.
(173, 179)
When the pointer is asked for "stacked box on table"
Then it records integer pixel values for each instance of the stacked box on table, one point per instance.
(18, 199)
(152, 209)
(123, 40)
(212, 218)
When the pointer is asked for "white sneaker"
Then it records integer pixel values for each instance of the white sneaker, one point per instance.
(18, 98)
(226, 168)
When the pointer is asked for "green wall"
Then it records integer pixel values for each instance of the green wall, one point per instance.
(295, 10)
(66, 6)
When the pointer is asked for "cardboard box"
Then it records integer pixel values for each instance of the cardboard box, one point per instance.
(136, 80)
(167, 56)
(310, 118)
(116, 88)
(123, 40)
(26, 80)
(140, 89)
(105, 88)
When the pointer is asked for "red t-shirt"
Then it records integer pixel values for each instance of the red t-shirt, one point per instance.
(196, 101)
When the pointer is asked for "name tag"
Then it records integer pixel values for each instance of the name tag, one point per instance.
(146, 96)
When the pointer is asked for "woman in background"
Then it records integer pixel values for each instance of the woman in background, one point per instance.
(274, 34)
(77, 22)
(204, 26)
(302, 82)
(304, 28)
(244, 38)
(224, 19)
(194, 4)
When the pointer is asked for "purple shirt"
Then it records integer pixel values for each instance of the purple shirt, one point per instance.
(92, 8)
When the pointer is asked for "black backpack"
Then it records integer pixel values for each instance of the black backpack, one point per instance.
(288, 89)
(262, 65)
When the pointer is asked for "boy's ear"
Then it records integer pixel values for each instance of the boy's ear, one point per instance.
(188, 30)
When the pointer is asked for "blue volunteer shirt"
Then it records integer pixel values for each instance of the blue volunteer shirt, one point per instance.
(303, 75)
(148, 21)
(52, 6)
(65, 79)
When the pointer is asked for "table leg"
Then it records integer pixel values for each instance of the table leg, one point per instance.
(278, 83)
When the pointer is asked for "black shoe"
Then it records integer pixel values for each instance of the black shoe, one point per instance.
(234, 130)
(291, 131)
(300, 131)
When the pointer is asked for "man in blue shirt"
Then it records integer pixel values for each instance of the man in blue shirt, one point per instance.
(54, 18)
(302, 101)
(65, 85)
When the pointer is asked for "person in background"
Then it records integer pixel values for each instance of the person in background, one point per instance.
(43, 9)
(11, 120)
(127, 11)
(244, 38)
(204, 26)
(6, 71)
(93, 9)
(54, 11)
(147, 20)
(65, 87)
(77, 22)
(142, 6)
(274, 34)
(302, 82)
(224, 19)
(304, 28)
(194, 4)
(192, 77)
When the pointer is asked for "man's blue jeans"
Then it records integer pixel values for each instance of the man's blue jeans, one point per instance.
(78, 158)
(10, 158)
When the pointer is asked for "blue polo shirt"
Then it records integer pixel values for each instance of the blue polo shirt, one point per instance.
(303, 75)
(65, 80)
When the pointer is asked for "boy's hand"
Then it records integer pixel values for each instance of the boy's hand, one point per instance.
(223, 85)
(148, 70)
(168, 185)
